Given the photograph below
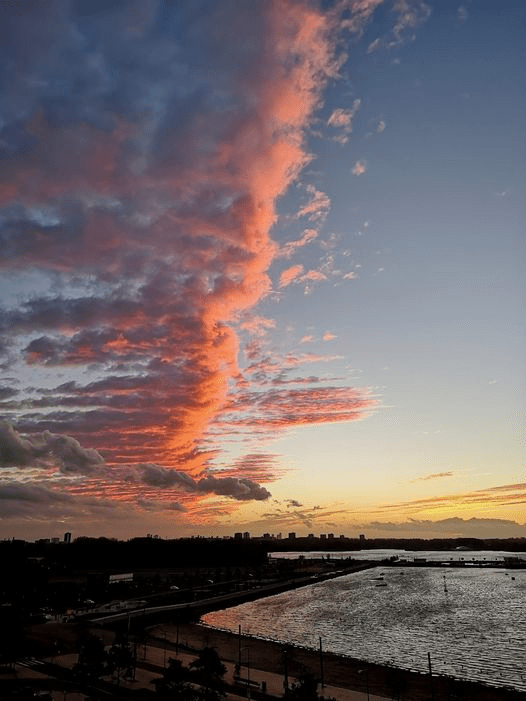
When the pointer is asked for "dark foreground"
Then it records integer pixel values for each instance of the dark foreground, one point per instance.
(336, 670)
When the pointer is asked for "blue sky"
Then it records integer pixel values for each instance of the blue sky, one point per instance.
(262, 268)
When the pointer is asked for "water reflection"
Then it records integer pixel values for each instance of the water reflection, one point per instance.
(473, 623)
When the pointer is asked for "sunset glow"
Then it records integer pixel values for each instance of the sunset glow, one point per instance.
(261, 268)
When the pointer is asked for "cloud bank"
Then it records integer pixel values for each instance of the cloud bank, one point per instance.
(144, 147)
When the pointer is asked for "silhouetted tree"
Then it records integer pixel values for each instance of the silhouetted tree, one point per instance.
(121, 658)
(304, 689)
(174, 684)
(209, 672)
(93, 659)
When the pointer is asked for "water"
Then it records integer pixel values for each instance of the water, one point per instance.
(409, 555)
(473, 623)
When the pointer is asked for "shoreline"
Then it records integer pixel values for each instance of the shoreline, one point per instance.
(337, 670)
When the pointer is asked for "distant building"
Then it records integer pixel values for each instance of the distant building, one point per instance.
(119, 578)
(292, 536)
(323, 536)
(238, 536)
(342, 537)
(67, 537)
(362, 536)
(311, 536)
(246, 535)
(55, 540)
(330, 536)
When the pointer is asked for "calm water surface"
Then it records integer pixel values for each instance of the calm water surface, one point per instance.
(409, 555)
(473, 622)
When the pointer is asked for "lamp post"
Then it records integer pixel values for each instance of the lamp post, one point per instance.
(241, 649)
(322, 677)
(366, 672)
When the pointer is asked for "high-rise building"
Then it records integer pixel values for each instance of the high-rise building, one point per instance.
(67, 537)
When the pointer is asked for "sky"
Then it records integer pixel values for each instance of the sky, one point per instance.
(261, 268)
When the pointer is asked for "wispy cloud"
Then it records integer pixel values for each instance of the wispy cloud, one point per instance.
(288, 249)
(455, 527)
(433, 476)
(289, 275)
(318, 206)
(501, 495)
(462, 14)
(409, 15)
(281, 409)
(359, 168)
(258, 325)
(342, 120)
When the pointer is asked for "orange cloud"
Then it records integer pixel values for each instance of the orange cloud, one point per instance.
(313, 275)
(286, 408)
(291, 247)
(502, 495)
(317, 207)
(289, 275)
(147, 211)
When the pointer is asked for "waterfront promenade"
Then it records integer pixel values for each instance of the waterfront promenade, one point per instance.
(344, 678)
(343, 674)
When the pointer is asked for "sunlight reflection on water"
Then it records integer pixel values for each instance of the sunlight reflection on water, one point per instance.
(475, 630)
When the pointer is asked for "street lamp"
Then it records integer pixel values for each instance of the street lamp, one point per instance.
(247, 648)
(366, 672)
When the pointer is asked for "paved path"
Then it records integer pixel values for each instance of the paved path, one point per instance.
(158, 656)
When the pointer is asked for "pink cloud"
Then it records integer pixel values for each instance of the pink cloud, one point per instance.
(145, 205)
(342, 120)
(288, 249)
(263, 365)
(289, 275)
(194, 267)
(258, 325)
(359, 168)
(282, 409)
(317, 207)
(313, 276)
(329, 336)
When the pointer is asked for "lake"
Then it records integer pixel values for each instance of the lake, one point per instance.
(472, 621)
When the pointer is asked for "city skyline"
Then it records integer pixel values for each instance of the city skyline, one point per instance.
(262, 268)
